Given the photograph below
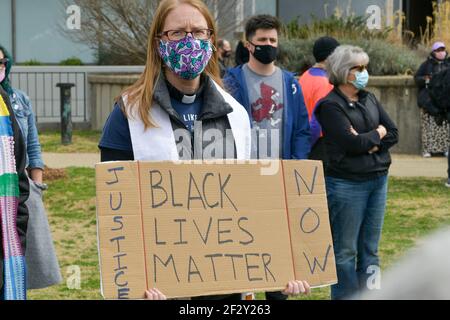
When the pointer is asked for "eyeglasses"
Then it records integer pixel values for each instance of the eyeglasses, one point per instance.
(360, 68)
(176, 35)
(440, 49)
(4, 61)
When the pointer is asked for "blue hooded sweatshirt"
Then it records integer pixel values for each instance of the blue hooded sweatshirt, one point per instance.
(296, 128)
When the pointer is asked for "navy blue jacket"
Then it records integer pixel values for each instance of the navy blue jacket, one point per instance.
(296, 129)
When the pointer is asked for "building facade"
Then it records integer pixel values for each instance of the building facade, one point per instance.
(289, 10)
(415, 11)
(32, 30)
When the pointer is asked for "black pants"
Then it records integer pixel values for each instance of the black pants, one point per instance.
(275, 296)
(231, 297)
(269, 296)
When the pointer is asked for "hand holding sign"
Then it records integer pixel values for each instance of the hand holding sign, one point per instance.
(297, 287)
(293, 288)
(154, 294)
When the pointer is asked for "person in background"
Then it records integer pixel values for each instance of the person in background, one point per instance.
(439, 88)
(14, 189)
(42, 264)
(435, 136)
(163, 116)
(224, 52)
(242, 55)
(358, 134)
(272, 96)
(315, 86)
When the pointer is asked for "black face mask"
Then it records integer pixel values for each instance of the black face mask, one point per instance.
(265, 54)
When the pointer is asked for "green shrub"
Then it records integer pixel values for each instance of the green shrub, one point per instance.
(385, 58)
(388, 58)
(73, 61)
(32, 62)
(296, 55)
(352, 27)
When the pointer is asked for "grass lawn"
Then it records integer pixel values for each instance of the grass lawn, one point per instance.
(416, 207)
(83, 142)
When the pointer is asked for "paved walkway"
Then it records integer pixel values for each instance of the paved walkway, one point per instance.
(416, 166)
(64, 160)
(402, 166)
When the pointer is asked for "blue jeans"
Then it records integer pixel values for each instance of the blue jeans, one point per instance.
(356, 216)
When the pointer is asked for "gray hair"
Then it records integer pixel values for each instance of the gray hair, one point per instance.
(342, 60)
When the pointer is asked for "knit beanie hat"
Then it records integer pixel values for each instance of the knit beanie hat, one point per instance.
(324, 47)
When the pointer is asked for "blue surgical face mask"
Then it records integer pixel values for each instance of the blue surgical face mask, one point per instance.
(362, 79)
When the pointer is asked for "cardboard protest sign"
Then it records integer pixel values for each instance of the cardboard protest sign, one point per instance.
(203, 229)
(309, 224)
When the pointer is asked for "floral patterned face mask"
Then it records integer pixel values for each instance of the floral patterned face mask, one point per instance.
(188, 57)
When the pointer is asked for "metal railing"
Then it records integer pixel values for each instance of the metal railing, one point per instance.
(39, 83)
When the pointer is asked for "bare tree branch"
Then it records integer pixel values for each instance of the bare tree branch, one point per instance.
(118, 29)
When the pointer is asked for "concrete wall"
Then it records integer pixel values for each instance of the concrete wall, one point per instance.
(104, 91)
(398, 95)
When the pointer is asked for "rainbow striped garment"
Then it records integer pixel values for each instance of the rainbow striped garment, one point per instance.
(13, 258)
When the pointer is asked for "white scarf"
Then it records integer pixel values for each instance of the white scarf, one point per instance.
(158, 144)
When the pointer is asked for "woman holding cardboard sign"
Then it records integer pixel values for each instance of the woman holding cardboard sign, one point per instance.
(178, 110)
(358, 135)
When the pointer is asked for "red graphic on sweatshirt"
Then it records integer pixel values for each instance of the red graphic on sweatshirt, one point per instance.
(266, 106)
